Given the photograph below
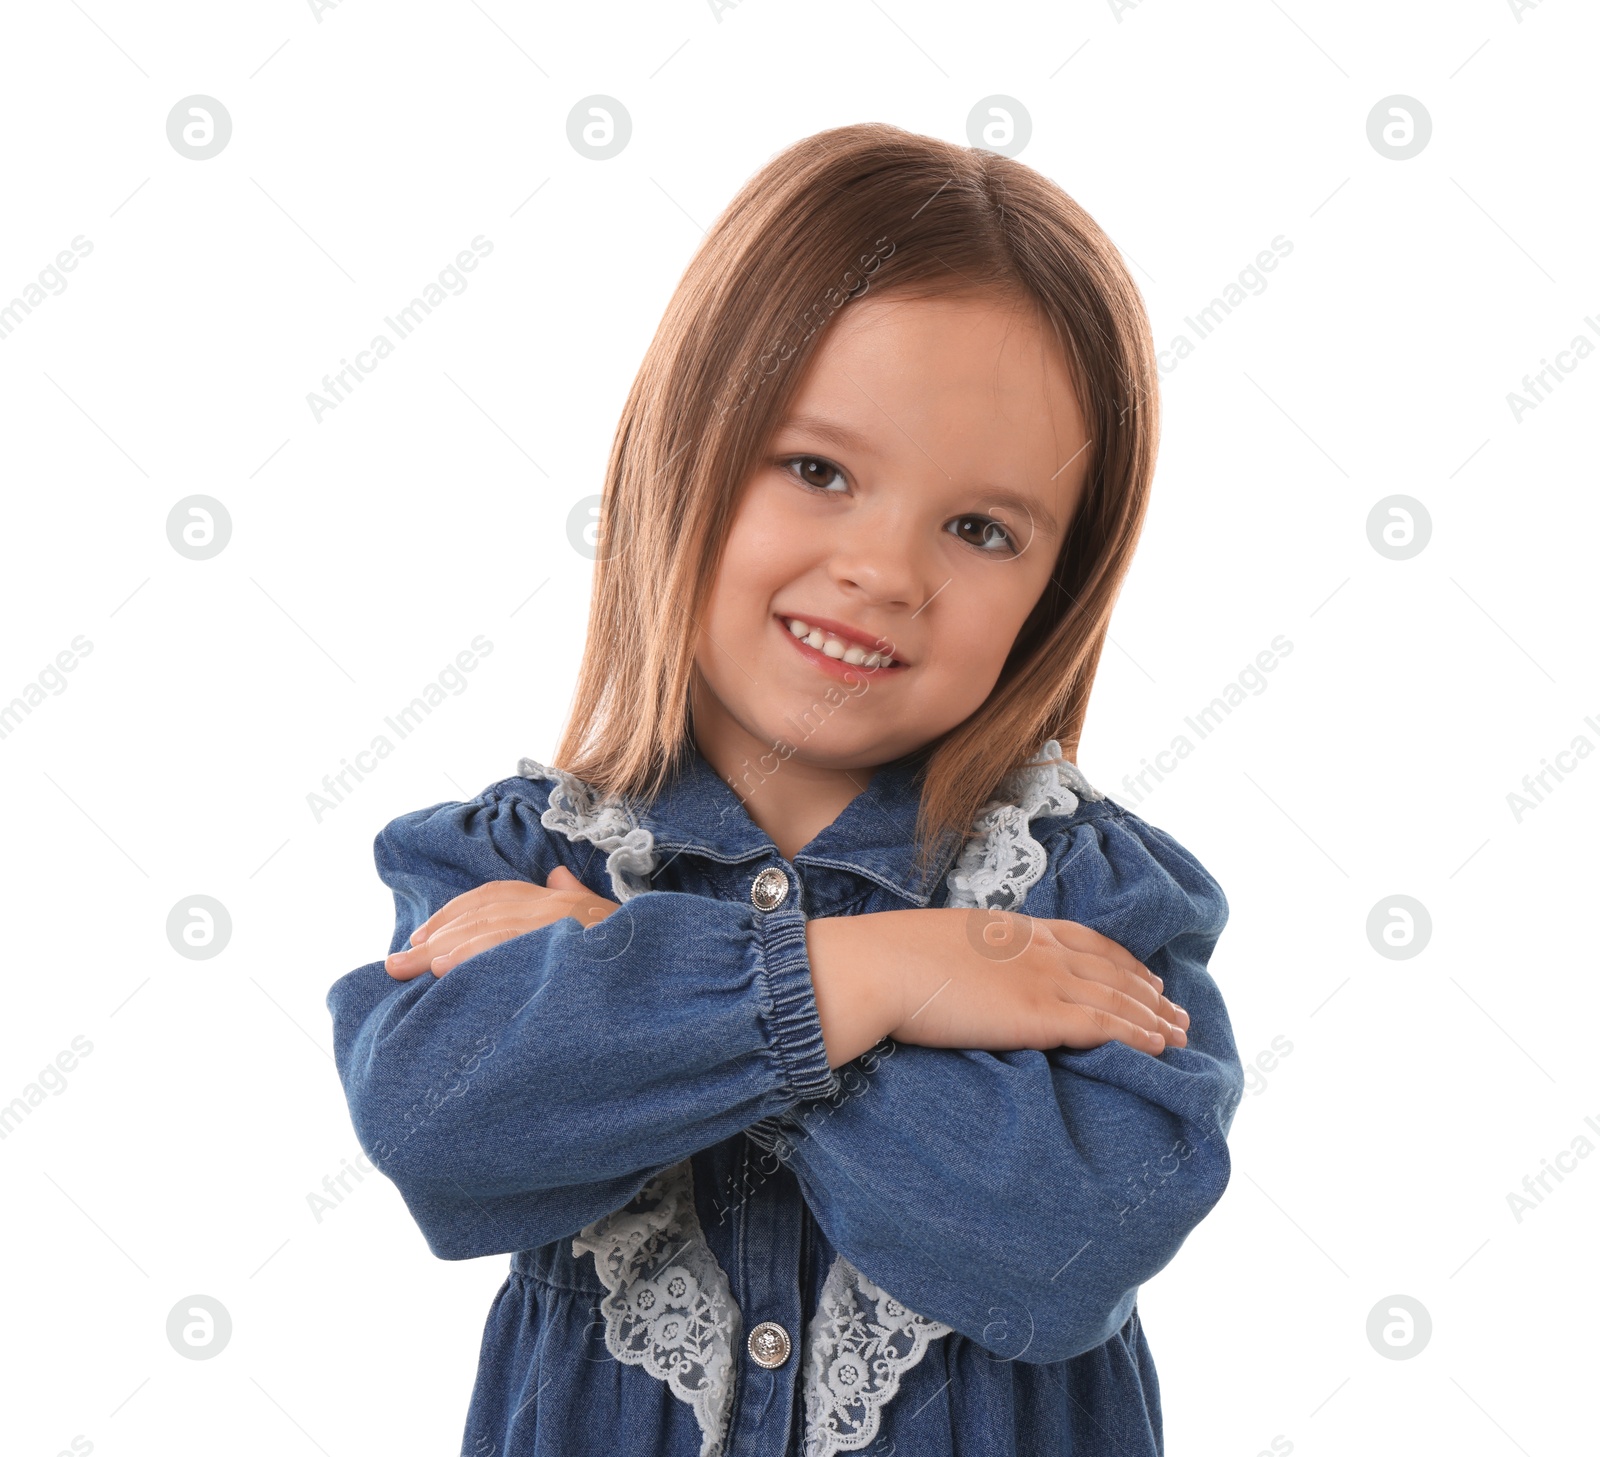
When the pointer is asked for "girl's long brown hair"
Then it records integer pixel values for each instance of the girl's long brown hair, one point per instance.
(864, 207)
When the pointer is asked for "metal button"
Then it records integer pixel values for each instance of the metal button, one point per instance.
(769, 889)
(769, 1344)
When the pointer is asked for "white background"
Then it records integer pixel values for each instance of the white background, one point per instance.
(369, 147)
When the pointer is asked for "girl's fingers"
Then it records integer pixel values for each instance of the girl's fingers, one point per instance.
(407, 963)
(417, 957)
(470, 900)
(582, 903)
(481, 897)
(1094, 967)
(488, 926)
(1106, 960)
(504, 921)
(1108, 973)
(533, 911)
(466, 950)
(1092, 1026)
(1084, 938)
(492, 914)
(1112, 1001)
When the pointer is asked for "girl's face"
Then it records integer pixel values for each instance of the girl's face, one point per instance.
(918, 492)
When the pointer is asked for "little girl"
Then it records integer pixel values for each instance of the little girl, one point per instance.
(817, 1040)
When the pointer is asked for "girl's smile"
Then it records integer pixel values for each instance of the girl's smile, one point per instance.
(841, 651)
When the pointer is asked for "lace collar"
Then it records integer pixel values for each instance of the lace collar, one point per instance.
(698, 812)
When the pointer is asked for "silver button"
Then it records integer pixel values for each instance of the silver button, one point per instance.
(769, 889)
(769, 1344)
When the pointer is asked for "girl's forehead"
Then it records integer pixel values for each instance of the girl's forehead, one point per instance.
(961, 337)
(942, 365)
(892, 310)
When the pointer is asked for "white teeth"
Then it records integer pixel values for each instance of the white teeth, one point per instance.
(852, 653)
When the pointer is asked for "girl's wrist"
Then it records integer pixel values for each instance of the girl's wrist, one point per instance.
(858, 1000)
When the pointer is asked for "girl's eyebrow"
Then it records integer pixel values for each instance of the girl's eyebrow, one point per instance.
(1024, 506)
(1034, 509)
(828, 430)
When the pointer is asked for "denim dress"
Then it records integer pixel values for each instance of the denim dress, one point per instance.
(721, 1247)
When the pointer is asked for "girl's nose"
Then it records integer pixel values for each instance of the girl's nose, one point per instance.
(883, 564)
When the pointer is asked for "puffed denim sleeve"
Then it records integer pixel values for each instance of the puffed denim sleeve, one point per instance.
(1022, 1197)
(537, 1085)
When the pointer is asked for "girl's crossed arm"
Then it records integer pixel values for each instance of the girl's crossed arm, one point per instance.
(1023, 1196)
(539, 1084)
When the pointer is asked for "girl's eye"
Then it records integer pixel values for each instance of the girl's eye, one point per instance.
(993, 539)
(811, 467)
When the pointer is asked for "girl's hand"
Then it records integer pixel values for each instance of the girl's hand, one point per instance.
(491, 913)
(943, 977)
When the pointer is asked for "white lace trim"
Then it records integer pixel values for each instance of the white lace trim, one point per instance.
(670, 1308)
(577, 810)
(998, 868)
(858, 1345)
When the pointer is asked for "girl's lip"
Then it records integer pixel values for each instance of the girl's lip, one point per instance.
(836, 667)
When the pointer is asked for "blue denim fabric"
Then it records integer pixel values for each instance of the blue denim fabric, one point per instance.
(1020, 1198)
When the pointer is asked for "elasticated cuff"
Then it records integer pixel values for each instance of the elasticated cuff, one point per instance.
(796, 1028)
